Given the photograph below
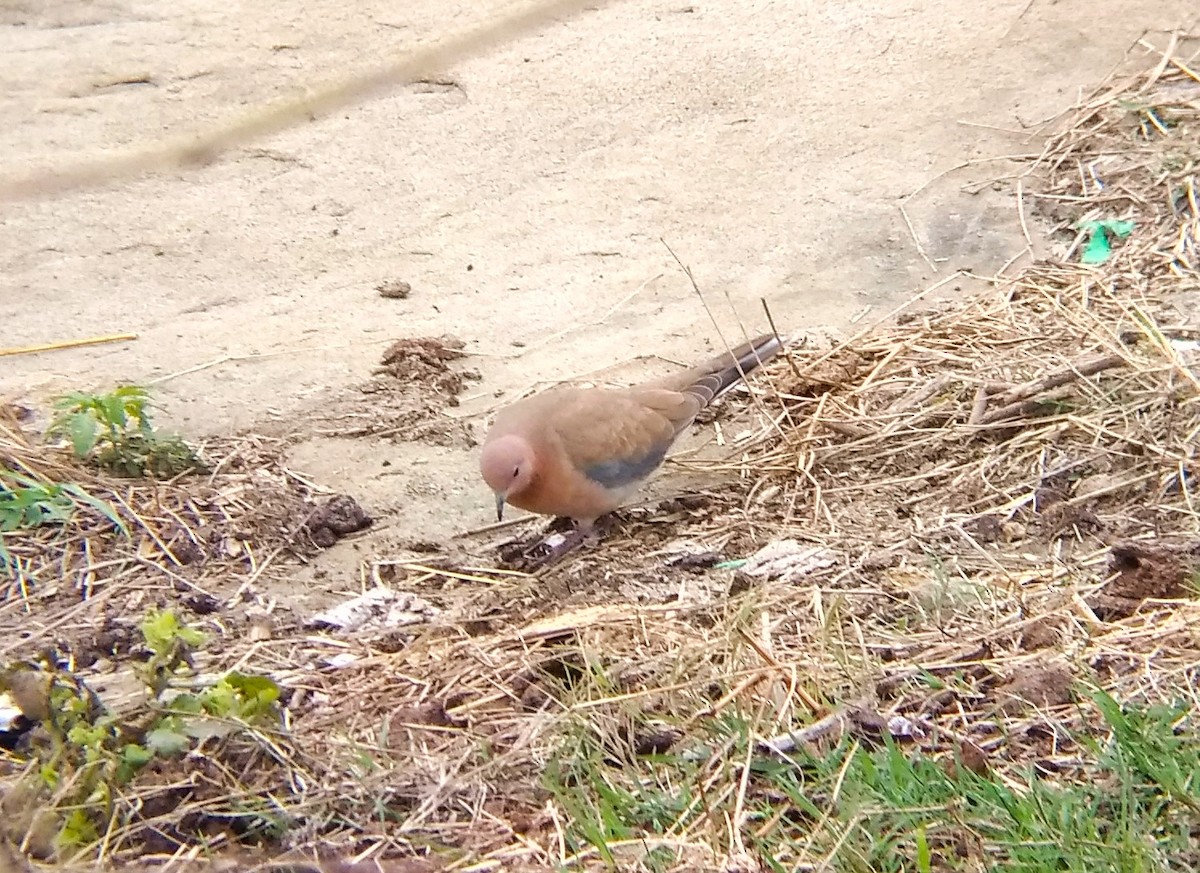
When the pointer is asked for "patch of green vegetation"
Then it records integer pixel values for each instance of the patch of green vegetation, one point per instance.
(1133, 804)
(27, 502)
(86, 757)
(611, 798)
(897, 811)
(115, 432)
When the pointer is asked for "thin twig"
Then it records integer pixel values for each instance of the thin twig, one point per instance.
(68, 344)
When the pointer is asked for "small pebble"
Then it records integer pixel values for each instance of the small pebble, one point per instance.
(394, 289)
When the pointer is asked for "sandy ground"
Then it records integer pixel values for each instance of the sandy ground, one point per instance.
(523, 198)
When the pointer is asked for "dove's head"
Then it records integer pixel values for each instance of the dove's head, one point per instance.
(508, 465)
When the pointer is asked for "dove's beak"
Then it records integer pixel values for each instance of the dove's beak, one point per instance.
(499, 506)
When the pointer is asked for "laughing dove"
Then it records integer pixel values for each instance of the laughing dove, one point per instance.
(581, 452)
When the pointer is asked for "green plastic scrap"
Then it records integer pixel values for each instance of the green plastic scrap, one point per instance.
(1099, 246)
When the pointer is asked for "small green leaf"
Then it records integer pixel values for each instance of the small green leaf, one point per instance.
(258, 693)
(133, 758)
(77, 831)
(158, 630)
(87, 736)
(136, 755)
(52, 509)
(102, 507)
(114, 410)
(161, 629)
(135, 397)
(220, 700)
(50, 776)
(81, 428)
(165, 741)
(135, 400)
(924, 858)
(187, 704)
(192, 637)
(72, 401)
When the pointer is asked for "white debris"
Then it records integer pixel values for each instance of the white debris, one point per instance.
(741, 862)
(377, 609)
(903, 728)
(788, 560)
(10, 714)
(1185, 346)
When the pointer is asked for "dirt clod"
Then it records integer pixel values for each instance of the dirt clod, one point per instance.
(686, 503)
(824, 374)
(657, 741)
(868, 726)
(1035, 689)
(432, 713)
(986, 528)
(406, 397)
(394, 289)
(1043, 633)
(694, 560)
(973, 758)
(425, 360)
(186, 550)
(970, 757)
(1158, 571)
(339, 516)
(201, 603)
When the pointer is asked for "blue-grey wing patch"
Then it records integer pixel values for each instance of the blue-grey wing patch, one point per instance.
(625, 471)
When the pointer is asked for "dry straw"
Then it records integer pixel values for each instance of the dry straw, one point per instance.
(962, 473)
